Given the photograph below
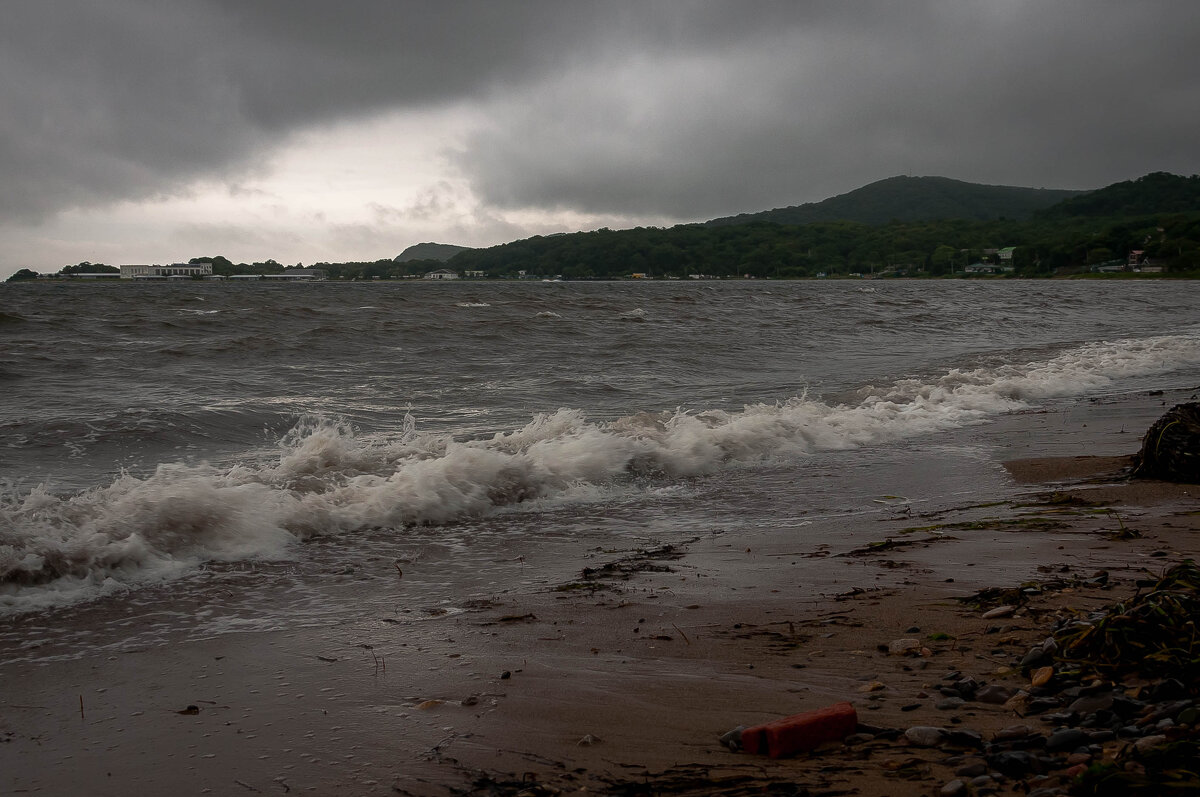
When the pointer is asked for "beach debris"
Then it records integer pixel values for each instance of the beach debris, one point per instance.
(732, 739)
(425, 705)
(1171, 448)
(999, 611)
(1153, 633)
(190, 710)
(644, 560)
(588, 740)
(1041, 676)
(801, 732)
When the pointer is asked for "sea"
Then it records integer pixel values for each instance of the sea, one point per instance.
(203, 459)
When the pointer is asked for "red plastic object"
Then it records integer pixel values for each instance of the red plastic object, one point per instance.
(801, 732)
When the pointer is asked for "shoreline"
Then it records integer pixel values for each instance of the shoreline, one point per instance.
(624, 675)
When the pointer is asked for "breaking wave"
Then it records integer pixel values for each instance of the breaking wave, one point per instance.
(326, 479)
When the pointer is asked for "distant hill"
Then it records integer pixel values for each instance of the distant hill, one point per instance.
(429, 251)
(1158, 192)
(913, 199)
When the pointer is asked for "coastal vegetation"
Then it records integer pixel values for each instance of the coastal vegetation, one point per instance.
(901, 227)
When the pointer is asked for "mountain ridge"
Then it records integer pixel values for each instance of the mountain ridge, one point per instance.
(913, 199)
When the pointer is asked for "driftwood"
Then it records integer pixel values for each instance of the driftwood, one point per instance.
(1171, 448)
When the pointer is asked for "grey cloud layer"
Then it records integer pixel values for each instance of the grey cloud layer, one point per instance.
(678, 109)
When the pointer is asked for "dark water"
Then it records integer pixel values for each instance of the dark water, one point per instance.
(219, 437)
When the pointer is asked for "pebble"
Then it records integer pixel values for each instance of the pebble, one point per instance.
(1146, 742)
(1014, 732)
(995, 693)
(899, 647)
(999, 611)
(950, 703)
(1016, 763)
(954, 788)
(925, 735)
(1066, 739)
(1041, 676)
(1090, 704)
(972, 769)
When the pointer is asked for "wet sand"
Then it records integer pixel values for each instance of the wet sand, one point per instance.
(625, 675)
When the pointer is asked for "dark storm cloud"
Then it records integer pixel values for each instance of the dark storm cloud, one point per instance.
(676, 109)
(1063, 94)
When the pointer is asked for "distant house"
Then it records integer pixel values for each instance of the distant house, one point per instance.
(442, 274)
(980, 268)
(473, 274)
(1136, 256)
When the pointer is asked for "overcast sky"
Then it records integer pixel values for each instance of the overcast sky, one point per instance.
(135, 131)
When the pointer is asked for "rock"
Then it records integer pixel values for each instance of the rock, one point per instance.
(1041, 704)
(1079, 758)
(1041, 676)
(1146, 742)
(1014, 763)
(873, 686)
(965, 737)
(982, 781)
(1014, 732)
(972, 768)
(1171, 447)
(1090, 704)
(925, 735)
(966, 688)
(906, 646)
(954, 788)
(1034, 656)
(1066, 739)
(999, 611)
(995, 694)
(950, 703)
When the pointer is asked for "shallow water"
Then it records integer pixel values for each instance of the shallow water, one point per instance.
(209, 458)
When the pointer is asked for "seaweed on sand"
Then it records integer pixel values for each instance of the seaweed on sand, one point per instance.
(1173, 768)
(1153, 634)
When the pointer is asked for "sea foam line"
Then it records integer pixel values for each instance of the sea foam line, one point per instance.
(328, 480)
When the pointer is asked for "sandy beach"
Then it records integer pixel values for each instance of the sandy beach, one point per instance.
(621, 679)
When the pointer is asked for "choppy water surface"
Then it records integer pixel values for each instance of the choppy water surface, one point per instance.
(211, 441)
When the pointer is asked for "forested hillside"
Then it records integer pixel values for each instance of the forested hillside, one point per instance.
(913, 199)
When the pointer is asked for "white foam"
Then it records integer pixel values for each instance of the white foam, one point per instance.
(327, 479)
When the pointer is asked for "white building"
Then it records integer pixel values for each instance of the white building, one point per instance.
(442, 274)
(159, 272)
